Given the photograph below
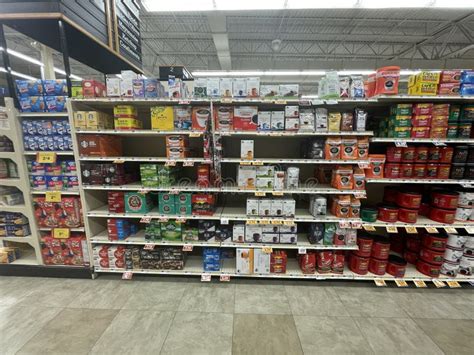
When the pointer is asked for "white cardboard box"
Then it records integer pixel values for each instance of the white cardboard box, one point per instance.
(253, 87)
(289, 207)
(252, 206)
(238, 233)
(246, 149)
(270, 237)
(264, 120)
(225, 87)
(253, 233)
(278, 120)
(276, 207)
(261, 262)
(264, 207)
(239, 87)
(244, 261)
(246, 176)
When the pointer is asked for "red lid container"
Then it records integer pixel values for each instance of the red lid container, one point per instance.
(380, 249)
(443, 171)
(392, 171)
(364, 242)
(432, 256)
(377, 266)
(446, 155)
(413, 243)
(406, 170)
(434, 154)
(396, 266)
(407, 215)
(421, 154)
(428, 269)
(408, 154)
(434, 242)
(411, 256)
(431, 171)
(419, 171)
(358, 264)
(445, 199)
(387, 213)
(410, 200)
(394, 154)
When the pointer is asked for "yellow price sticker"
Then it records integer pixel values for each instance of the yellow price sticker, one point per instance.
(419, 283)
(118, 161)
(277, 193)
(245, 163)
(277, 221)
(264, 221)
(439, 283)
(267, 250)
(46, 157)
(53, 196)
(411, 230)
(289, 223)
(280, 102)
(380, 282)
(61, 233)
(368, 228)
(401, 283)
(453, 284)
(257, 163)
(225, 100)
(391, 229)
(195, 134)
(260, 193)
(252, 221)
(431, 229)
(451, 230)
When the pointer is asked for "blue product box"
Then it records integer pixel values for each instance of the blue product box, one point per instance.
(151, 88)
(72, 182)
(59, 127)
(54, 182)
(35, 168)
(30, 143)
(28, 127)
(44, 128)
(467, 90)
(55, 103)
(138, 88)
(38, 182)
(32, 104)
(133, 229)
(41, 142)
(68, 166)
(51, 145)
(27, 88)
(55, 87)
(59, 143)
(467, 77)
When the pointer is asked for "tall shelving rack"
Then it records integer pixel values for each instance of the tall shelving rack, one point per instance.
(95, 205)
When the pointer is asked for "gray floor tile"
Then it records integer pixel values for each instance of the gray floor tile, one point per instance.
(199, 333)
(396, 336)
(208, 298)
(72, 331)
(428, 305)
(100, 294)
(314, 301)
(369, 302)
(263, 334)
(331, 335)
(260, 299)
(135, 332)
(157, 296)
(13, 289)
(20, 324)
(452, 336)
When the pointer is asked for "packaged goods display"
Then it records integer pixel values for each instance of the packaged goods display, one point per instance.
(66, 213)
(46, 135)
(9, 254)
(61, 175)
(42, 95)
(70, 251)
(14, 225)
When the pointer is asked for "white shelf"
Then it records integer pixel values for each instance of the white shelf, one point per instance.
(14, 208)
(65, 192)
(48, 229)
(136, 187)
(63, 152)
(421, 222)
(103, 211)
(138, 132)
(466, 183)
(7, 155)
(422, 140)
(393, 98)
(44, 114)
(147, 159)
(10, 182)
(258, 161)
(25, 259)
(26, 239)
(292, 134)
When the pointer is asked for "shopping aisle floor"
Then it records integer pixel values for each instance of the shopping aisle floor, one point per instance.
(184, 316)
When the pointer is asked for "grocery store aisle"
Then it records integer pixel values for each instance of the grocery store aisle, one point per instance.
(184, 316)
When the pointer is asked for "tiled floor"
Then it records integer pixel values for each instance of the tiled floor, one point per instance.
(184, 316)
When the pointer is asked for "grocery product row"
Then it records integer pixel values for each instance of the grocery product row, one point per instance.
(42, 95)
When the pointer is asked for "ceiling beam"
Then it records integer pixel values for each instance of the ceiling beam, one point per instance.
(218, 24)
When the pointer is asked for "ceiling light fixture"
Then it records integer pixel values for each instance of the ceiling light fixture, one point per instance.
(20, 75)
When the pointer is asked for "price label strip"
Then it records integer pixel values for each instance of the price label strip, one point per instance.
(411, 230)
(164, 219)
(224, 220)
(188, 163)
(146, 219)
(251, 221)
(368, 228)
(245, 163)
(289, 223)
(301, 250)
(419, 283)
(356, 224)
(205, 277)
(432, 230)
(380, 282)
(149, 246)
(226, 100)
(453, 284)
(439, 143)
(184, 102)
(400, 144)
(451, 230)
(224, 278)
(187, 247)
(391, 229)
(143, 191)
(257, 163)
(364, 165)
(401, 283)
(118, 161)
(439, 283)
(280, 102)
(61, 233)
(127, 275)
(53, 196)
(46, 157)
(277, 221)
(267, 250)
(260, 193)
(180, 220)
(170, 163)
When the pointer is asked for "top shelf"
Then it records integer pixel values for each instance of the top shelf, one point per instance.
(44, 114)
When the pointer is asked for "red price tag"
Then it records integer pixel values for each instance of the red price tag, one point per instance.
(145, 220)
(180, 220)
(187, 247)
(149, 246)
(174, 192)
(224, 278)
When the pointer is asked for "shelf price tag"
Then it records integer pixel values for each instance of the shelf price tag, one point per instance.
(257, 163)
(411, 230)
(469, 230)
(438, 143)
(164, 219)
(149, 246)
(184, 102)
(188, 163)
(170, 163)
(245, 163)
(317, 102)
(431, 229)
(61, 233)
(280, 102)
(380, 282)
(360, 194)
(277, 193)
(180, 220)
(53, 196)
(439, 283)
(453, 284)
(195, 134)
(146, 219)
(363, 165)
(267, 250)
(174, 192)
(356, 224)
(368, 227)
(251, 221)
(127, 275)
(224, 220)
(276, 221)
(401, 283)
(391, 229)
(143, 191)
(450, 230)
(264, 221)
(467, 186)
(224, 278)
(205, 277)
(419, 283)
(305, 103)
(118, 161)
(46, 157)
(226, 100)
(187, 247)
(332, 102)
(344, 224)
(400, 144)
(260, 193)
(301, 250)
(289, 223)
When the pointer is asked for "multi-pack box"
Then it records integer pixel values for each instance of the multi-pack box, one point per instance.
(253, 233)
(253, 87)
(244, 261)
(136, 202)
(200, 118)
(238, 232)
(99, 145)
(264, 207)
(171, 231)
(245, 118)
(225, 87)
(162, 118)
(113, 86)
(246, 149)
(264, 120)
(261, 261)
(239, 87)
(278, 121)
(269, 91)
(200, 88)
(246, 176)
(252, 206)
(203, 204)
(183, 118)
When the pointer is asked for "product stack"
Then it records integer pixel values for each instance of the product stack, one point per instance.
(257, 261)
(46, 135)
(8, 169)
(71, 251)
(61, 175)
(324, 262)
(92, 120)
(9, 254)
(67, 213)
(444, 83)
(42, 95)
(14, 225)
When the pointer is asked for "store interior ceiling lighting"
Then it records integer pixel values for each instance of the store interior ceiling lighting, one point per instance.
(20, 75)
(37, 62)
(227, 5)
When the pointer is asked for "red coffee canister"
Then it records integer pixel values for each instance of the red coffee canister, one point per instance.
(364, 242)
(380, 249)
(410, 200)
(432, 256)
(445, 199)
(377, 266)
(358, 264)
(410, 256)
(387, 213)
(421, 154)
(434, 154)
(413, 244)
(431, 171)
(428, 269)
(441, 215)
(443, 171)
(434, 242)
(446, 155)
(407, 215)
(406, 171)
(408, 154)
(419, 171)
(394, 154)
(396, 266)
(392, 171)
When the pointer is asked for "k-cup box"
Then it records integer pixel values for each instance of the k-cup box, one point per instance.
(278, 121)
(246, 149)
(239, 87)
(264, 207)
(252, 206)
(238, 232)
(292, 111)
(225, 87)
(264, 120)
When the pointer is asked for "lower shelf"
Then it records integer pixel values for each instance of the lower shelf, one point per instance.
(193, 267)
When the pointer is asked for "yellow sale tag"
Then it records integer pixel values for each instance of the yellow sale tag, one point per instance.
(260, 193)
(380, 282)
(453, 284)
(251, 221)
(368, 228)
(280, 102)
(264, 221)
(119, 161)
(53, 196)
(277, 193)
(419, 283)
(289, 223)
(267, 250)
(401, 283)
(257, 163)
(277, 221)
(431, 229)
(391, 229)
(195, 134)
(61, 233)
(451, 230)
(245, 163)
(411, 230)
(439, 283)
(46, 157)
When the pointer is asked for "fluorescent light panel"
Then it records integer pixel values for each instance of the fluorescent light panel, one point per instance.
(20, 75)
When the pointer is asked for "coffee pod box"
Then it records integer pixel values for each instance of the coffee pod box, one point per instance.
(246, 149)
(162, 118)
(113, 87)
(253, 87)
(246, 176)
(252, 206)
(264, 207)
(264, 120)
(213, 87)
(253, 233)
(279, 180)
(200, 88)
(200, 117)
(292, 111)
(278, 121)
(238, 232)
(269, 91)
(289, 207)
(244, 263)
(245, 118)
(261, 262)
(289, 90)
(225, 87)
(239, 87)
(276, 208)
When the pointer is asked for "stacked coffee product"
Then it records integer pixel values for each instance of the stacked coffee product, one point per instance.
(459, 255)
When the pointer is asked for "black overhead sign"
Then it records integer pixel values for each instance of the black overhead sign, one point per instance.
(128, 30)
